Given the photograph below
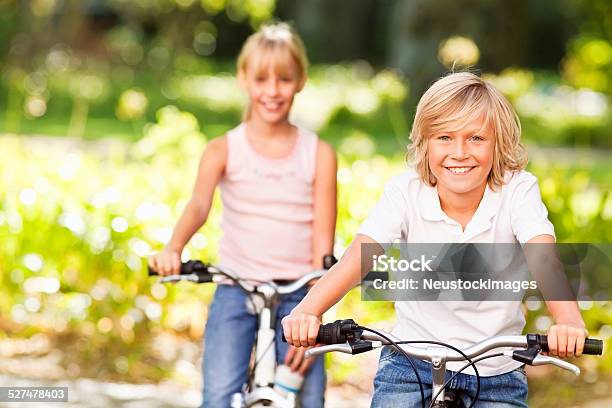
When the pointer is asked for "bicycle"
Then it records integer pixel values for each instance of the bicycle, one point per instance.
(259, 389)
(346, 336)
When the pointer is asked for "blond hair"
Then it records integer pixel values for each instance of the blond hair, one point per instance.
(277, 44)
(452, 102)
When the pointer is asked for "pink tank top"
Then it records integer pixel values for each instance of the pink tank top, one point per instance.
(267, 209)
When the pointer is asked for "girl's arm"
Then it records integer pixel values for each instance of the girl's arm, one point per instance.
(210, 171)
(323, 230)
(566, 337)
(324, 190)
(302, 325)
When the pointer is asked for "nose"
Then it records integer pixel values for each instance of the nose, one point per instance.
(272, 87)
(459, 151)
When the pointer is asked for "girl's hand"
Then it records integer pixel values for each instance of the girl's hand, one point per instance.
(566, 340)
(166, 262)
(300, 328)
(295, 360)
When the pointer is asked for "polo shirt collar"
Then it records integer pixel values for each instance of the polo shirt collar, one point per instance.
(429, 205)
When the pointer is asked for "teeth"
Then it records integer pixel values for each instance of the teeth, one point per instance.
(459, 170)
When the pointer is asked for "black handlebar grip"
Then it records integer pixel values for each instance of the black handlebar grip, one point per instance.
(150, 271)
(187, 268)
(329, 261)
(337, 332)
(591, 346)
(325, 335)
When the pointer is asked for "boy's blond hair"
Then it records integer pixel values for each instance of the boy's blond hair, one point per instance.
(277, 44)
(452, 102)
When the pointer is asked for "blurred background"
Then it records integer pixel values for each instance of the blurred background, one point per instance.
(106, 105)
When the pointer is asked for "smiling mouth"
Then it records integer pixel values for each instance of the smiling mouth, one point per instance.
(272, 106)
(460, 170)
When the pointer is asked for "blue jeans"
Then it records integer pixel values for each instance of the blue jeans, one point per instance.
(228, 342)
(395, 385)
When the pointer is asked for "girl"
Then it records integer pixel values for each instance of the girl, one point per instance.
(467, 185)
(278, 188)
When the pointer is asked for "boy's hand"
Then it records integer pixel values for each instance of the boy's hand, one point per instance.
(295, 360)
(566, 340)
(300, 328)
(166, 262)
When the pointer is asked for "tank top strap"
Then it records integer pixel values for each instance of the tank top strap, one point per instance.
(237, 150)
(307, 152)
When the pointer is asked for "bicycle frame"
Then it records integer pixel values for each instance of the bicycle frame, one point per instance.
(262, 378)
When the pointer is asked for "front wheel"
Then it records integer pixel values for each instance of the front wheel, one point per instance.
(453, 401)
(237, 400)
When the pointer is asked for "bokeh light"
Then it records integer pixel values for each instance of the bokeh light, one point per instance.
(458, 51)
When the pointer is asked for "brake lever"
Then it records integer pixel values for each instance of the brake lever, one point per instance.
(540, 359)
(316, 351)
(352, 347)
(192, 277)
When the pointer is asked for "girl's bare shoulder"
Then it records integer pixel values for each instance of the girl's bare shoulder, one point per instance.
(218, 144)
(325, 148)
(216, 150)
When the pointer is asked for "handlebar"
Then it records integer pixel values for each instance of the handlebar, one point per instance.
(347, 336)
(194, 271)
(199, 272)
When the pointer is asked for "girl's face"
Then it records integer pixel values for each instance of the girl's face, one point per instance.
(461, 160)
(271, 89)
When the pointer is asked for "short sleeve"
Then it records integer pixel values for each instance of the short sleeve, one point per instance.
(529, 216)
(387, 220)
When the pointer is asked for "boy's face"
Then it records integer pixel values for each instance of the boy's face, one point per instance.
(461, 160)
(271, 90)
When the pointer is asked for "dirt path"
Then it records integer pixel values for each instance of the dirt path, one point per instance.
(85, 393)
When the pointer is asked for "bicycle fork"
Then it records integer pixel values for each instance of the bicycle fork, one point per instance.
(438, 372)
(265, 356)
(265, 359)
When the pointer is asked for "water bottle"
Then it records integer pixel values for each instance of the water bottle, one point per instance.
(287, 381)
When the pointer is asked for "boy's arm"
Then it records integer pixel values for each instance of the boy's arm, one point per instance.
(302, 325)
(211, 169)
(566, 337)
(324, 204)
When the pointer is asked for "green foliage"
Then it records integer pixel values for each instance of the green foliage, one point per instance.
(553, 113)
(38, 102)
(76, 226)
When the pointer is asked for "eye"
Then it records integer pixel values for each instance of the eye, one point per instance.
(444, 138)
(477, 138)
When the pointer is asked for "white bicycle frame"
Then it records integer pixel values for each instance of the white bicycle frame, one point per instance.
(264, 297)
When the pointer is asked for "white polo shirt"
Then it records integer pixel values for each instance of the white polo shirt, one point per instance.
(409, 211)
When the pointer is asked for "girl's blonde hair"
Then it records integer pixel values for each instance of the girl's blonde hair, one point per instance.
(452, 102)
(277, 44)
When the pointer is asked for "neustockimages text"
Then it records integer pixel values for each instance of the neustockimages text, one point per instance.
(385, 263)
(458, 284)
